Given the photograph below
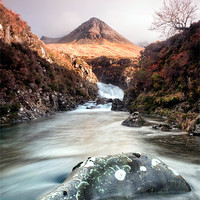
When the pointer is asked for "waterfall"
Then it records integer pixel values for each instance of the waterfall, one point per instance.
(108, 91)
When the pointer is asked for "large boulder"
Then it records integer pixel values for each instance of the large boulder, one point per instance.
(119, 176)
(134, 120)
(117, 105)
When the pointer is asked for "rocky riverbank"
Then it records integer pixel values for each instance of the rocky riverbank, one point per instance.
(36, 81)
(167, 81)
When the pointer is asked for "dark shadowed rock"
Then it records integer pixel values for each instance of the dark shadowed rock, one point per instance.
(103, 101)
(162, 127)
(117, 105)
(91, 107)
(120, 176)
(134, 120)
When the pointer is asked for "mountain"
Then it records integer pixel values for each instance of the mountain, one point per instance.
(35, 80)
(92, 31)
(167, 82)
(94, 38)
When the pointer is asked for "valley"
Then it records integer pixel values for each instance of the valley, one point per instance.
(92, 94)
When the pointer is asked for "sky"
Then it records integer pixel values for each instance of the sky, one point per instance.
(57, 18)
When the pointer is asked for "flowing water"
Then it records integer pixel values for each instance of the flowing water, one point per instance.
(37, 156)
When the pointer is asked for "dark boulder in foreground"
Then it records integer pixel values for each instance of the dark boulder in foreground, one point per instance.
(134, 120)
(117, 105)
(119, 176)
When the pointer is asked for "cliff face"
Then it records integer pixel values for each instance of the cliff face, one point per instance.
(117, 71)
(36, 81)
(168, 80)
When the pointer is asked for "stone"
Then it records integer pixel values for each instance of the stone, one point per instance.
(117, 105)
(103, 101)
(134, 120)
(91, 107)
(121, 176)
(162, 127)
(194, 126)
(196, 132)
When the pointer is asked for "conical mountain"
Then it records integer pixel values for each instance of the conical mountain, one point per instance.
(92, 31)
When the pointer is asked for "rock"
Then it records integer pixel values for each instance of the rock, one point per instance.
(194, 126)
(196, 132)
(121, 176)
(117, 105)
(162, 127)
(134, 120)
(103, 101)
(91, 107)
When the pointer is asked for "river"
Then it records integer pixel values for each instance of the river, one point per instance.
(37, 156)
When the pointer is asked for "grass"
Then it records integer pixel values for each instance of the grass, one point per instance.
(96, 50)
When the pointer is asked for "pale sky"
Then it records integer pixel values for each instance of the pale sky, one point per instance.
(56, 18)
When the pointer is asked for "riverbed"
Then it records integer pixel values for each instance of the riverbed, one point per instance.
(37, 156)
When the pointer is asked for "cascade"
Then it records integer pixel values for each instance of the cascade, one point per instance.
(107, 91)
(110, 91)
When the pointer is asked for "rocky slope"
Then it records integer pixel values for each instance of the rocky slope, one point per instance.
(36, 81)
(168, 80)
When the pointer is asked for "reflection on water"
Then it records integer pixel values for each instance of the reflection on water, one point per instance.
(37, 156)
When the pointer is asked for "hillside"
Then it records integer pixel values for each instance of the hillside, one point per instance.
(168, 80)
(94, 38)
(36, 81)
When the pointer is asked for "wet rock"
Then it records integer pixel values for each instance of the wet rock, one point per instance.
(119, 176)
(117, 105)
(103, 101)
(134, 120)
(91, 107)
(162, 127)
(194, 126)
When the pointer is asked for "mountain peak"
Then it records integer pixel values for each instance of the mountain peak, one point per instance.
(92, 31)
(94, 19)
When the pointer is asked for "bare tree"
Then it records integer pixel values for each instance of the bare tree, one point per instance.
(173, 17)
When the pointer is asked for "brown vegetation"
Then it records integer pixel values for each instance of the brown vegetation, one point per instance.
(167, 82)
(117, 71)
(36, 81)
(107, 49)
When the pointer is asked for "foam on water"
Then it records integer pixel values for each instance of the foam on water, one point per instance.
(110, 91)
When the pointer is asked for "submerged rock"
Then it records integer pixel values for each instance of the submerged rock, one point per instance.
(119, 176)
(91, 107)
(134, 120)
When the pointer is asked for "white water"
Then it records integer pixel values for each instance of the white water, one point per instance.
(110, 91)
(38, 156)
